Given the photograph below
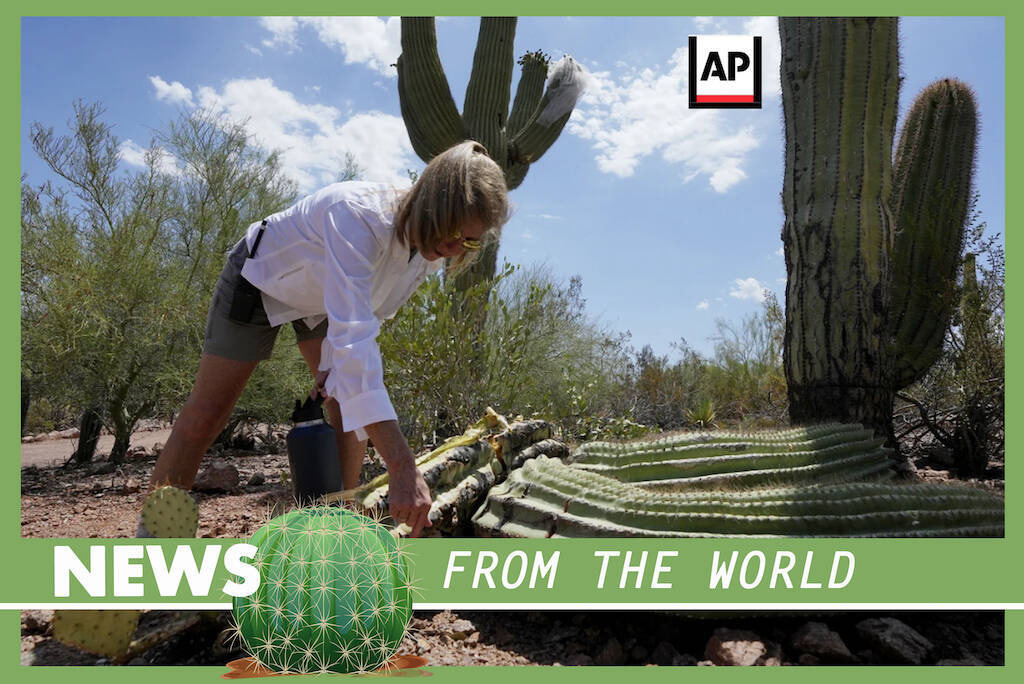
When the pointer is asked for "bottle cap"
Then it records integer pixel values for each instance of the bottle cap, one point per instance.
(311, 409)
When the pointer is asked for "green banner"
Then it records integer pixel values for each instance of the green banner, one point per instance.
(521, 574)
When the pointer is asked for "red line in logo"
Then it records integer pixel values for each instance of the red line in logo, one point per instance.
(725, 98)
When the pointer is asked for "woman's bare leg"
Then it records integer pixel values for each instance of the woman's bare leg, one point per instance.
(219, 383)
(350, 449)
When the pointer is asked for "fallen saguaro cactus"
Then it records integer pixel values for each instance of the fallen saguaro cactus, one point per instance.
(547, 498)
(831, 452)
(461, 471)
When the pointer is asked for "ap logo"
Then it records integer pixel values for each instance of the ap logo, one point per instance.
(725, 72)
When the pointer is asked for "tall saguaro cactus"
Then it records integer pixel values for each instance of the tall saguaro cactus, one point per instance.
(871, 249)
(515, 139)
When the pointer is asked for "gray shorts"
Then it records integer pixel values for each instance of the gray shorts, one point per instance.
(251, 341)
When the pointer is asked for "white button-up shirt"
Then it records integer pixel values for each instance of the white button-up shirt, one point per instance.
(334, 254)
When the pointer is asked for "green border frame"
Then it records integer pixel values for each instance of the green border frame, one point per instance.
(992, 562)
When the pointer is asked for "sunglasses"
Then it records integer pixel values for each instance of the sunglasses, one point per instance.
(470, 244)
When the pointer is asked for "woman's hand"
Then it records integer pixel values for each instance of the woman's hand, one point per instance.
(408, 495)
(318, 384)
(409, 499)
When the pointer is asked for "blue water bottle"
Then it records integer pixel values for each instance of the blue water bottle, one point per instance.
(312, 453)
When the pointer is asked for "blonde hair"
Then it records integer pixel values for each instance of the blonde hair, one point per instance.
(460, 184)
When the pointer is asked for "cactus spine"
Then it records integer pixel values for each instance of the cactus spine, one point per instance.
(868, 249)
(333, 597)
(514, 139)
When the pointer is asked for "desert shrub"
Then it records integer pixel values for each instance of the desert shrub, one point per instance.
(960, 402)
(742, 382)
(537, 355)
(118, 263)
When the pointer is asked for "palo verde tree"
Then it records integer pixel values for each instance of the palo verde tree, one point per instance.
(514, 139)
(118, 263)
(872, 237)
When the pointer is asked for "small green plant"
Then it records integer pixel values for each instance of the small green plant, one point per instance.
(702, 415)
(334, 594)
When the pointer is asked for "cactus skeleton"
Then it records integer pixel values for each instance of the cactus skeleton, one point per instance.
(461, 471)
(333, 597)
(871, 249)
(547, 498)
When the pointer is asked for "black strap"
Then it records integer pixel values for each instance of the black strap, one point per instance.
(259, 236)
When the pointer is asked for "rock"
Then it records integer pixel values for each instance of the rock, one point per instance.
(104, 468)
(684, 660)
(28, 439)
(894, 640)
(818, 640)
(256, 479)
(611, 654)
(579, 660)
(157, 448)
(638, 654)
(664, 654)
(460, 629)
(219, 476)
(131, 486)
(35, 622)
(740, 647)
(137, 451)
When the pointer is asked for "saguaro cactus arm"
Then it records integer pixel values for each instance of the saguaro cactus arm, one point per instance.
(514, 140)
(428, 109)
(485, 111)
(933, 166)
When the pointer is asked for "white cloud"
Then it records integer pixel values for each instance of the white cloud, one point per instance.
(704, 305)
(781, 251)
(747, 288)
(283, 32)
(644, 112)
(372, 41)
(548, 217)
(135, 154)
(175, 92)
(771, 52)
(314, 139)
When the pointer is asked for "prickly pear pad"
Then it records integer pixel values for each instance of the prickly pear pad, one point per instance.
(333, 597)
(170, 513)
(103, 632)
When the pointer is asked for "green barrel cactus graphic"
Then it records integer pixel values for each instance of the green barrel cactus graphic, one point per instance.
(334, 594)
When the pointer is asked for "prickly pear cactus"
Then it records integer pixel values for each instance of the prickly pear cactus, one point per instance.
(547, 498)
(103, 632)
(170, 513)
(832, 452)
(334, 594)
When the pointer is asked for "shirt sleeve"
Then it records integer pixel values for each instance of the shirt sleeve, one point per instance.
(350, 349)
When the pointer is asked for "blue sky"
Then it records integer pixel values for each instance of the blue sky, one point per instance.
(670, 216)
